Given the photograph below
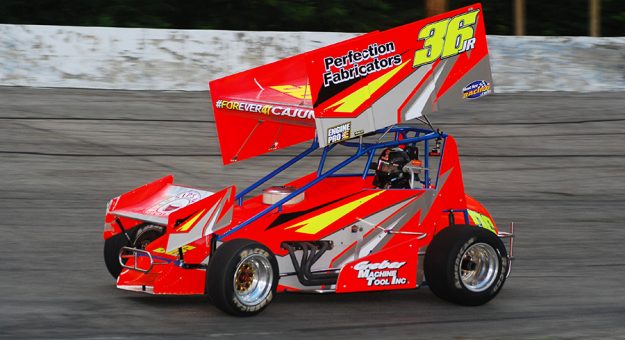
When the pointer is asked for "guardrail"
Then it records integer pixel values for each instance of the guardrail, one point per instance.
(163, 59)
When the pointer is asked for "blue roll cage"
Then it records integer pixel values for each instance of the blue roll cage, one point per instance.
(402, 137)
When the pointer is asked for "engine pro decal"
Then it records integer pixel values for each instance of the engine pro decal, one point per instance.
(339, 133)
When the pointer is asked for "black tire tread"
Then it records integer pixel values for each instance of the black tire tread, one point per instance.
(221, 270)
(439, 264)
(112, 246)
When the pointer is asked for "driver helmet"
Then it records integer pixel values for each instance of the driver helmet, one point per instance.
(389, 173)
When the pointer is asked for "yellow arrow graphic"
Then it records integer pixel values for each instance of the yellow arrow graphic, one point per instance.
(188, 224)
(317, 223)
(352, 101)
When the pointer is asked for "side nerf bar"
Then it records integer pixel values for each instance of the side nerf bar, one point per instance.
(510, 236)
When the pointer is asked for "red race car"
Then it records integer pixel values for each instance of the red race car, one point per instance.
(391, 213)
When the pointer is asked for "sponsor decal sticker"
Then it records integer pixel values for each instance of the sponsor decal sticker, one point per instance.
(360, 63)
(476, 89)
(174, 252)
(482, 220)
(166, 206)
(274, 110)
(339, 133)
(380, 273)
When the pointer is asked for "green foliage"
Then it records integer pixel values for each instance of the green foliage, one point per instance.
(498, 14)
(552, 17)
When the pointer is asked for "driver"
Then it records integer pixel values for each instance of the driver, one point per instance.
(389, 172)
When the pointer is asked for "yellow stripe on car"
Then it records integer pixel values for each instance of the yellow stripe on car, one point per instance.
(317, 223)
(188, 224)
(299, 92)
(352, 101)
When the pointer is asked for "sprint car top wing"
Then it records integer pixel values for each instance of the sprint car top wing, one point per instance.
(263, 109)
(354, 87)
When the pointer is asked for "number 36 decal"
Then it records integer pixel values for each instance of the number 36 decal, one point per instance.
(446, 38)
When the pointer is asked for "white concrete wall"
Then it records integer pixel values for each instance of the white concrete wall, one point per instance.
(581, 64)
(156, 59)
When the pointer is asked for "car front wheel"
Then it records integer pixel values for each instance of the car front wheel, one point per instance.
(466, 265)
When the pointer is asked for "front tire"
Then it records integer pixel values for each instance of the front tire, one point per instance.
(242, 277)
(466, 265)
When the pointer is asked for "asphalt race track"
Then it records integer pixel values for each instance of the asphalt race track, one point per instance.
(554, 163)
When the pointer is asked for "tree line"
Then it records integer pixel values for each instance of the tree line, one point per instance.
(553, 17)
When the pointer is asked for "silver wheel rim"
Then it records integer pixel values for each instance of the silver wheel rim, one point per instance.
(253, 279)
(478, 267)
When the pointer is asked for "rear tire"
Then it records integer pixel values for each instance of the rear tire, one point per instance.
(466, 265)
(146, 235)
(142, 236)
(112, 246)
(242, 277)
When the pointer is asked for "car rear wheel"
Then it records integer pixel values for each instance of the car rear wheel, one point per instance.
(112, 246)
(466, 265)
(242, 277)
(142, 236)
(146, 235)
